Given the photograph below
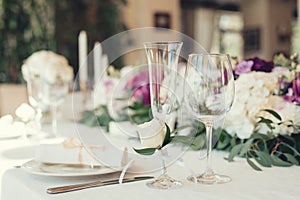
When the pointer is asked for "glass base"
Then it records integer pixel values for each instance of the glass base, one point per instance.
(210, 178)
(164, 182)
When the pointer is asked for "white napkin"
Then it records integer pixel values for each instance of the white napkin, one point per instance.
(124, 128)
(9, 128)
(70, 151)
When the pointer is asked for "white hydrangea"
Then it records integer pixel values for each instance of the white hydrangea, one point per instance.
(287, 111)
(253, 93)
(48, 65)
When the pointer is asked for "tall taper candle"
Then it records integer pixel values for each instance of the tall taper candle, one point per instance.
(98, 68)
(104, 64)
(83, 62)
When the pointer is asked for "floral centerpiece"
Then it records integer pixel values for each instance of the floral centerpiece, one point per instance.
(264, 120)
(263, 124)
(52, 67)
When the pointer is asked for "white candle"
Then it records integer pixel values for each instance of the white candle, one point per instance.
(82, 51)
(104, 63)
(97, 62)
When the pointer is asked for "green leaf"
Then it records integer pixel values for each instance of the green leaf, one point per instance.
(279, 162)
(265, 120)
(275, 114)
(254, 166)
(198, 142)
(268, 122)
(180, 128)
(262, 136)
(246, 147)
(291, 148)
(182, 139)
(146, 151)
(263, 158)
(167, 139)
(234, 152)
(291, 159)
(224, 141)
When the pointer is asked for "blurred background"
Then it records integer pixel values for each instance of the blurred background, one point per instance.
(241, 28)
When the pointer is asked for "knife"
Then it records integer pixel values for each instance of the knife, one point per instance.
(69, 188)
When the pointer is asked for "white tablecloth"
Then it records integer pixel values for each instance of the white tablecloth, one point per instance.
(272, 183)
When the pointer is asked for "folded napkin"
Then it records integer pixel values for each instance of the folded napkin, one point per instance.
(9, 128)
(124, 128)
(70, 151)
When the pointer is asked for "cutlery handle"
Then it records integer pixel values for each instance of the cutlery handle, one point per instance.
(70, 188)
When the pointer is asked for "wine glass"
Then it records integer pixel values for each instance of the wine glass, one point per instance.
(162, 60)
(209, 94)
(54, 95)
(43, 94)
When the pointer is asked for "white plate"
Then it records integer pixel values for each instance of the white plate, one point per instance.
(64, 170)
(9, 135)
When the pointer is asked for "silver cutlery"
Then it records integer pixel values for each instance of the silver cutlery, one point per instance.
(69, 188)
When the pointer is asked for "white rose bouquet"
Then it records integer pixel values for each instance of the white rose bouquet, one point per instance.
(49, 66)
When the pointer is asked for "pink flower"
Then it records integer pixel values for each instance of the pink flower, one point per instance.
(139, 85)
(244, 67)
(293, 94)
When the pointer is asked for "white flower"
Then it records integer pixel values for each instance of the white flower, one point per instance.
(241, 127)
(284, 72)
(253, 93)
(25, 112)
(152, 133)
(47, 65)
(287, 111)
(6, 119)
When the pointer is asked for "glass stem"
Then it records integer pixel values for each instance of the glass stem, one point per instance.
(208, 127)
(163, 163)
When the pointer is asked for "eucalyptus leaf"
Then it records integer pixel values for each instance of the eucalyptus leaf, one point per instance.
(198, 142)
(234, 152)
(146, 151)
(275, 114)
(265, 120)
(187, 140)
(262, 136)
(180, 129)
(279, 162)
(263, 158)
(291, 148)
(291, 159)
(224, 141)
(246, 147)
(253, 165)
(167, 138)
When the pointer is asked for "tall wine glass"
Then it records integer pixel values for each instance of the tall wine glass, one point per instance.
(162, 63)
(209, 94)
(54, 96)
(43, 94)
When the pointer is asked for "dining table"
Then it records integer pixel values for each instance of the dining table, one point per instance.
(17, 183)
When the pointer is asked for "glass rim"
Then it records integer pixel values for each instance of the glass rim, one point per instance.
(209, 54)
(163, 42)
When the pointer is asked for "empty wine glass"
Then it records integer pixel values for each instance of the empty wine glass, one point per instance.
(162, 63)
(43, 94)
(209, 94)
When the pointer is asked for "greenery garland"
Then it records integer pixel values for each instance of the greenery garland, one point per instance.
(266, 150)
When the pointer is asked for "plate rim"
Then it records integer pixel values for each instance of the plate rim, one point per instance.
(32, 170)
